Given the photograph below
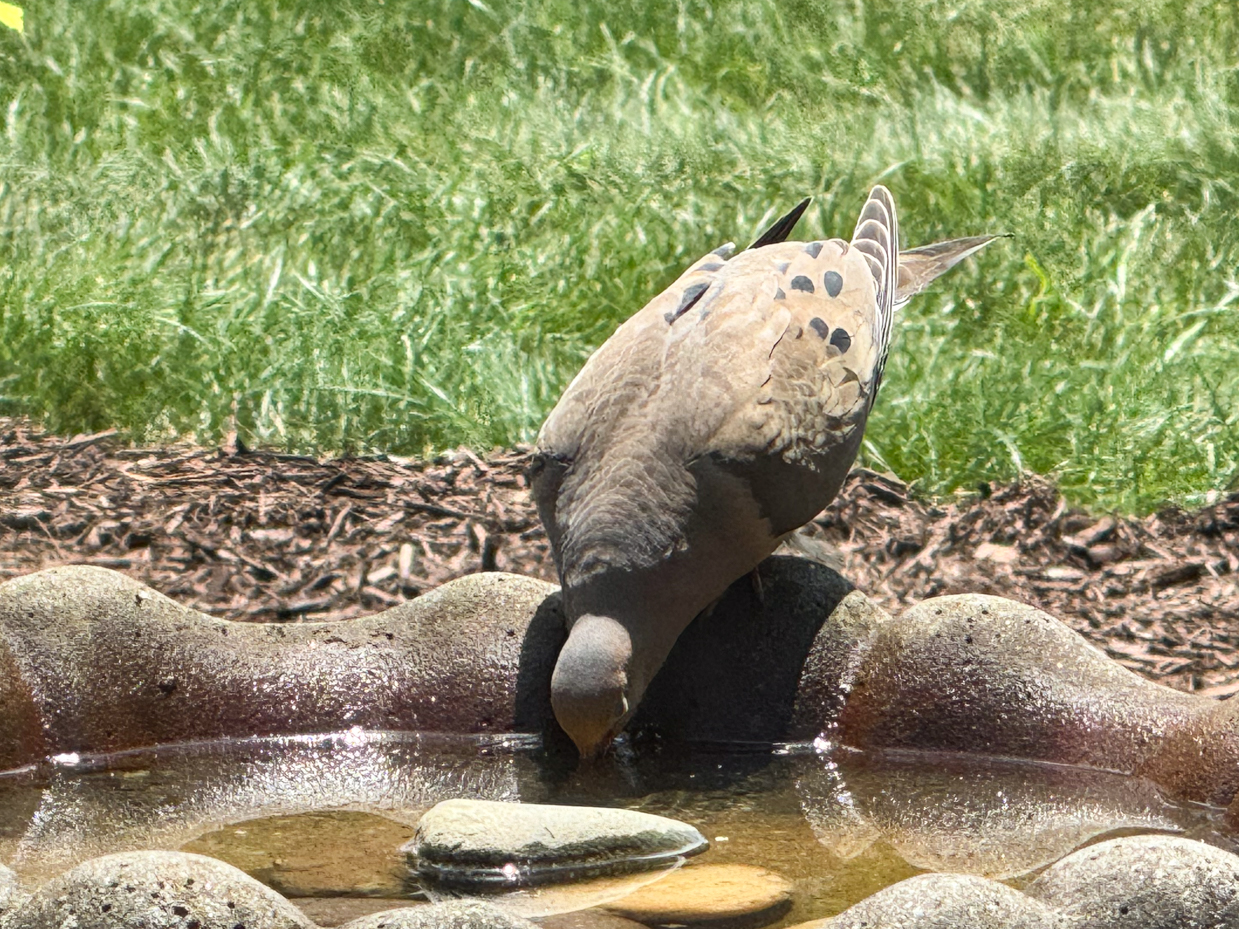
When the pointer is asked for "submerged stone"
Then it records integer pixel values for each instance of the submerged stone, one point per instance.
(719, 893)
(156, 890)
(1144, 882)
(452, 914)
(944, 901)
(481, 843)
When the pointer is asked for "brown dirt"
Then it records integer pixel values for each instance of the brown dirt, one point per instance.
(255, 535)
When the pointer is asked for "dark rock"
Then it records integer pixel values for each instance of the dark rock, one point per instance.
(1144, 882)
(156, 890)
(486, 844)
(454, 914)
(770, 663)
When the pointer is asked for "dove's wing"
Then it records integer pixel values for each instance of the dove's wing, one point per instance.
(735, 399)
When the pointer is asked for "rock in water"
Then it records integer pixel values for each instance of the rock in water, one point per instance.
(156, 890)
(721, 893)
(491, 845)
(1144, 882)
(943, 901)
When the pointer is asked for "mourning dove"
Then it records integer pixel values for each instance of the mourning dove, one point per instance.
(715, 421)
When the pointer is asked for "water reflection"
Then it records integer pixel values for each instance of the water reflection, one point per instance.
(839, 825)
(552, 899)
(994, 818)
(60, 814)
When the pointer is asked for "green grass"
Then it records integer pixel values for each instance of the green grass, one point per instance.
(403, 225)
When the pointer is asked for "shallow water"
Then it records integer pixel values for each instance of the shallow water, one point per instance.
(324, 816)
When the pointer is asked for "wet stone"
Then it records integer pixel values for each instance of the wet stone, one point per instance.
(486, 844)
(944, 901)
(1144, 882)
(709, 894)
(156, 890)
(454, 914)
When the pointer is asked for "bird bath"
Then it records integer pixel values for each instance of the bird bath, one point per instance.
(824, 748)
(321, 819)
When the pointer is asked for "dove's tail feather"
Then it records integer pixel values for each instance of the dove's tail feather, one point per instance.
(877, 238)
(918, 267)
(783, 226)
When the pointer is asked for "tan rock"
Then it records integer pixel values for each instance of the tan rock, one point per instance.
(708, 893)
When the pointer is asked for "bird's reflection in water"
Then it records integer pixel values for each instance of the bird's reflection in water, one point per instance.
(990, 817)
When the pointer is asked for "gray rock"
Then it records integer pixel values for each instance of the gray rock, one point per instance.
(156, 890)
(484, 843)
(944, 901)
(985, 675)
(454, 914)
(1144, 882)
(11, 894)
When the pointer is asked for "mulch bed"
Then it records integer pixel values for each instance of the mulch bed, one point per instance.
(256, 535)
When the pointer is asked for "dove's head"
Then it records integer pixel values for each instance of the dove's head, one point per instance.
(592, 691)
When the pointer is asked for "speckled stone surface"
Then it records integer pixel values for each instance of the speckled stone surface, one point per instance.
(11, 895)
(91, 661)
(484, 842)
(105, 664)
(1144, 882)
(988, 676)
(455, 914)
(587, 919)
(156, 890)
(944, 901)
